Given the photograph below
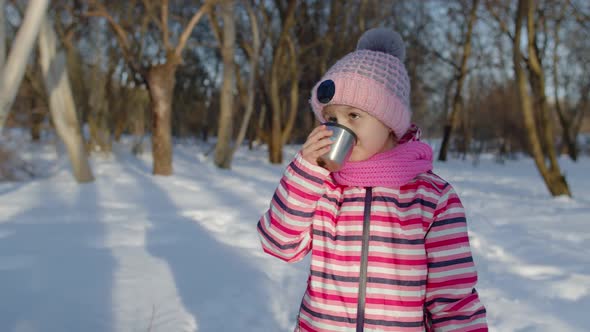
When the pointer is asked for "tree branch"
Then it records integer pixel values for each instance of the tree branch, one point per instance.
(164, 19)
(499, 20)
(445, 60)
(191, 25)
(318, 41)
(100, 11)
(117, 28)
(581, 17)
(215, 27)
(151, 13)
(142, 32)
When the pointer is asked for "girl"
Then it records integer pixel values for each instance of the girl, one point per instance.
(387, 236)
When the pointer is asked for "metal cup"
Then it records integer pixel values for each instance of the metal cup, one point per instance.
(344, 141)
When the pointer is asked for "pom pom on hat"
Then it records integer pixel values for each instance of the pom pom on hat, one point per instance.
(373, 78)
(383, 40)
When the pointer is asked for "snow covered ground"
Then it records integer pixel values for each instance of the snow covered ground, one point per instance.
(134, 252)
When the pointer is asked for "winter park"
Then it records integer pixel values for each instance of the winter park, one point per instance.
(246, 165)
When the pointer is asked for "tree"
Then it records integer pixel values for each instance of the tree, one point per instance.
(246, 91)
(566, 126)
(253, 52)
(567, 20)
(460, 75)
(12, 72)
(159, 77)
(223, 148)
(284, 67)
(61, 101)
(555, 181)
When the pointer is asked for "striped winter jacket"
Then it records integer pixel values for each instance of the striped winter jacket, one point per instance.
(418, 272)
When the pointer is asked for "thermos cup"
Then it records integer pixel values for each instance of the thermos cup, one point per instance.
(344, 140)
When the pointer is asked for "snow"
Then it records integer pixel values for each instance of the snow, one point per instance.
(137, 252)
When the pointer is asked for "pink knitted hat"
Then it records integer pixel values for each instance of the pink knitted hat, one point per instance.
(372, 78)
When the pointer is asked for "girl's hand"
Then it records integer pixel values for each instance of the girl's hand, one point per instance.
(318, 143)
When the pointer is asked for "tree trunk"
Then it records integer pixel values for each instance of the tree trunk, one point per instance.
(328, 41)
(100, 136)
(11, 74)
(223, 148)
(453, 120)
(118, 94)
(467, 132)
(362, 15)
(38, 109)
(251, 90)
(161, 80)
(555, 182)
(276, 136)
(452, 124)
(537, 75)
(61, 102)
(294, 91)
(537, 82)
(567, 129)
(260, 132)
(569, 140)
(36, 119)
(79, 81)
(275, 145)
(582, 106)
(137, 119)
(275, 139)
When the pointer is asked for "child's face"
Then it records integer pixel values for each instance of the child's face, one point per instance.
(372, 135)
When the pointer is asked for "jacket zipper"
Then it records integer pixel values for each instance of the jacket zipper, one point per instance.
(360, 313)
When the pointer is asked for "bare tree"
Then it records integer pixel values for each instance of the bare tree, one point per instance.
(569, 141)
(572, 68)
(555, 181)
(568, 116)
(70, 32)
(283, 67)
(460, 75)
(223, 148)
(11, 73)
(250, 45)
(61, 101)
(414, 20)
(249, 93)
(160, 77)
(98, 119)
(38, 107)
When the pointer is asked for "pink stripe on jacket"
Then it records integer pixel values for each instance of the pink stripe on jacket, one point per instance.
(420, 268)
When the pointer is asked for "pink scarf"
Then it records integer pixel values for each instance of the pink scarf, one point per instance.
(392, 168)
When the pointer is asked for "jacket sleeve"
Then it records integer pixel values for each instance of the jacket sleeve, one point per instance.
(285, 228)
(452, 303)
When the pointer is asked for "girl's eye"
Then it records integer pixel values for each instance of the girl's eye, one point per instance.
(354, 115)
(332, 119)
